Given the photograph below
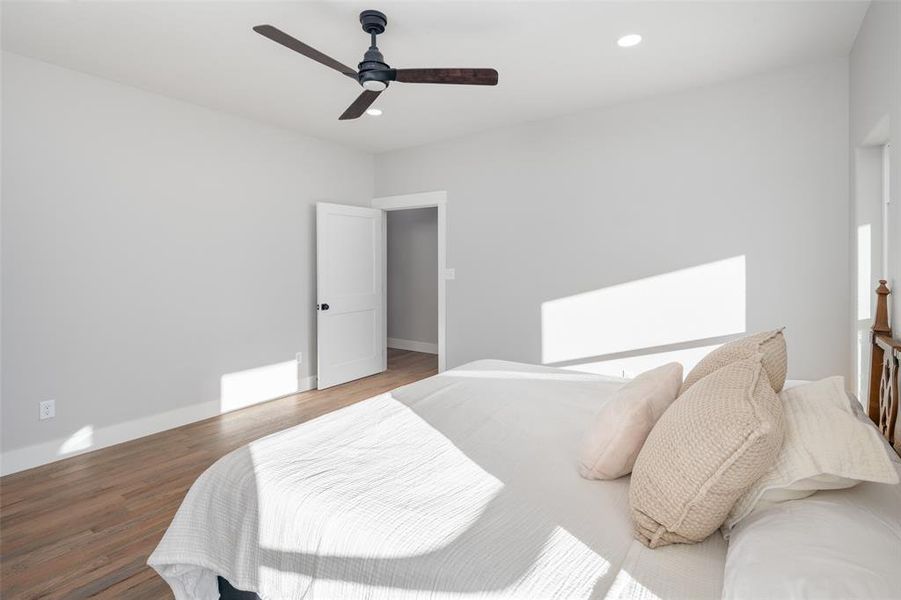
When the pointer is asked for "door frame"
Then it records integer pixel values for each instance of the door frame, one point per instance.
(437, 200)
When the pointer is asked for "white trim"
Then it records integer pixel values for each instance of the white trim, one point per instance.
(413, 346)
(886, 211)
(43, 453)
(427, 200)
(404, 201)
(384, 260)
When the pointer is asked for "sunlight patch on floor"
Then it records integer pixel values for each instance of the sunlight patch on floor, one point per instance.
(78, 441)
(245, 388)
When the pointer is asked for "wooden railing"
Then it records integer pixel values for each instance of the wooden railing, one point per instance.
(884, 372)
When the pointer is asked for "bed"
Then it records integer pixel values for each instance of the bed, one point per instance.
(460, 485)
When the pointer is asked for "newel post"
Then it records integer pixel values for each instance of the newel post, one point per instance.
(880, 325)
(880, 328)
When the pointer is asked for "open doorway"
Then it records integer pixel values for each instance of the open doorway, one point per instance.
(874, 249)
(415, 274)
(412, 240)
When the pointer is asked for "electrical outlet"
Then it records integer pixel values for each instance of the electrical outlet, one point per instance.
(48, 409)
(299, 358)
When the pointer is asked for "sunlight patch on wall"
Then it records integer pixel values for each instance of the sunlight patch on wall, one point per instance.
(696, 303)
(78, 441)
(864, 348)
(864, 270)
(632, 366)
(245, 388)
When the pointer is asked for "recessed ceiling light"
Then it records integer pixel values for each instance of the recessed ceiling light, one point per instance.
(373, 112)
(627, 41)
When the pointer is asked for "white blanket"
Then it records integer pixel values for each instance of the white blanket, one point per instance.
(461, 485)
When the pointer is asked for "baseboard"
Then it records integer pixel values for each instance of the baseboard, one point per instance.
(413, 346)
(20, 459)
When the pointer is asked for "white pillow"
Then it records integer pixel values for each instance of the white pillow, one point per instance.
(831, 546)
(621, 427)
(826, 447)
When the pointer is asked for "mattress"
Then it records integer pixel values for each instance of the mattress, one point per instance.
(464, 484)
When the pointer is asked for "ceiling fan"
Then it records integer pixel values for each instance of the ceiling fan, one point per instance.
(374, 74)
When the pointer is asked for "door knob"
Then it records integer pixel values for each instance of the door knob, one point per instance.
(324, 306)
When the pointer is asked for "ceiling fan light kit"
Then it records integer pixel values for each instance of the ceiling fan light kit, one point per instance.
(373, 73)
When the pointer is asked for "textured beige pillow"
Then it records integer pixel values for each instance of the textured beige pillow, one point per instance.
(620, 428)
(771, 344)
(706, 450)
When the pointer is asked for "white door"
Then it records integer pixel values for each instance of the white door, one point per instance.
(350, 282)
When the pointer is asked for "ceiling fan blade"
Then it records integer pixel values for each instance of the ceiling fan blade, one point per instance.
(454, 76)
(359, 105)
(280, 37)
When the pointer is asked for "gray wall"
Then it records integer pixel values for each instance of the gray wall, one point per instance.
(755, 168)
(876, 101)
(413, 275)
(149, 248)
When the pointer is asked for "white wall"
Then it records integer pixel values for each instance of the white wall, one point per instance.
(153, 250)
(413, 276)
(875, 81)
(150, 247)
(756, 168)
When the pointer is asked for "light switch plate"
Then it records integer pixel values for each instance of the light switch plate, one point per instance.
(450, 274)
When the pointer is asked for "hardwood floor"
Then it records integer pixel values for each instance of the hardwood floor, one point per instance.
(84, 526)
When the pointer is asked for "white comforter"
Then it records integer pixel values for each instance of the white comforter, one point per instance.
(461, 485)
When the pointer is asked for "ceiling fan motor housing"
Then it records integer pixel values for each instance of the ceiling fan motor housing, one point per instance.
(374, 73)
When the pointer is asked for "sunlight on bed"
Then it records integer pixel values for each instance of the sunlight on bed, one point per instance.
(244, 388)
(394, 504)
(626, 586)
(690, 307)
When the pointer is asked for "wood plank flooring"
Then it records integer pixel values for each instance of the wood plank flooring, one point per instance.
(84, 527)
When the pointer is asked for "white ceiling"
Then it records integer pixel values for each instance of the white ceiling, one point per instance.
(553, 57)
